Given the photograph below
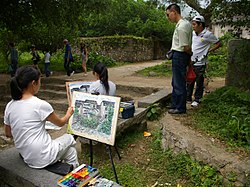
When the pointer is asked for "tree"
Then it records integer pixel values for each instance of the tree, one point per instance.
(43, 23)
(233, 13)
(229, 12)
(46, 23)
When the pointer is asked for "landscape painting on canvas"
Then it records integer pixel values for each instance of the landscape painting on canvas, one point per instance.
(79, 86)
(95, 117)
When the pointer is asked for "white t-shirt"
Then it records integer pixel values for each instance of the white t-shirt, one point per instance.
(47, 57)
(97, 86)
(200, 46)
(27, 121)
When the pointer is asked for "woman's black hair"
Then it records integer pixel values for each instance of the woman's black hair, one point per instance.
(102, 71)
(21, 80)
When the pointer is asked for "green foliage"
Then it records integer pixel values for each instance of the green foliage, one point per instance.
(218, 60)
(127, 17)
(217, 65)
(94, 58)
(233, 13)
(154, 112)
(46, 23)
(226, 113)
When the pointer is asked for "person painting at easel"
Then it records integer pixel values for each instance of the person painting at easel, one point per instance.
(24, 118)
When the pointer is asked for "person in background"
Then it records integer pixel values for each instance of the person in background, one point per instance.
(24, 121)
(13, 59)
(181, 48)
(68, 58)
(84, 57)
(102, 85)
(201, 46)
(47, 63)
(35, 56)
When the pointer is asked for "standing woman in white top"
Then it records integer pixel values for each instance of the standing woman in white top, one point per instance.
(24, 118)
(102, 86)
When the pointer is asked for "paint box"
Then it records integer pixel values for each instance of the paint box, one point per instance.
(127, 110)
(79, 177)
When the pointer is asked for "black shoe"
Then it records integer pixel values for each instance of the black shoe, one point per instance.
(176, 111)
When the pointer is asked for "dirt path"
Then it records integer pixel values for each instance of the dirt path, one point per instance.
(126, 75)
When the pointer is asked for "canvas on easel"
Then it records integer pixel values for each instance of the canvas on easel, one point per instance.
(95, 117)
(79, 86)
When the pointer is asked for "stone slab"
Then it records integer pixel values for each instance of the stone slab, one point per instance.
(14, 172)
(160, 96)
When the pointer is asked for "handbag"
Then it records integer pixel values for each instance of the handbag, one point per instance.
(169, 55)
(191, 76)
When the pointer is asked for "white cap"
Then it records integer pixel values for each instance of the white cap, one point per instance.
(199, 19)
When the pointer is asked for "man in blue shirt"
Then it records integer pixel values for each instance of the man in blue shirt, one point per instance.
(13, 59)
(68, 58)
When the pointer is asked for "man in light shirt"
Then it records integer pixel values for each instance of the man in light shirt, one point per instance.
(47, 63)
(181, 47)
(201, 46)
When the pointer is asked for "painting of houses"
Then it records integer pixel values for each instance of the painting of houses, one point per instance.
(76, 86)
(95, 117)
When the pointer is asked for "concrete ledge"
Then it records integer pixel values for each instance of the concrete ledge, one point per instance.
(14, 172)
(160, 96)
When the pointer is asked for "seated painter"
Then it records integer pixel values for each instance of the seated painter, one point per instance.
(24, 118)
(102, 85)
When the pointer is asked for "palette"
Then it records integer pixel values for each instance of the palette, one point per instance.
(79, 177)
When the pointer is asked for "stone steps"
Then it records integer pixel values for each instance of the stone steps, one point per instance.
(52, 94)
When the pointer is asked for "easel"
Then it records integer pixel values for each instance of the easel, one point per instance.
(108, 148)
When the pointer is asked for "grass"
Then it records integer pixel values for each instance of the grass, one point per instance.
(161, 70)
(144, 163)
(225, 113)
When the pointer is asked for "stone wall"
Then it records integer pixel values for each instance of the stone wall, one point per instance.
(125, 48)
(238, 73)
